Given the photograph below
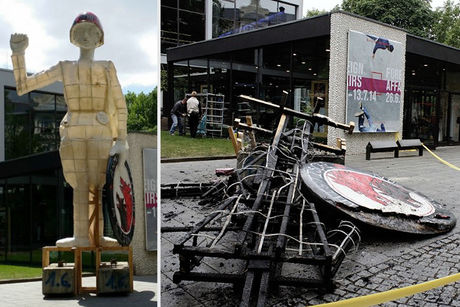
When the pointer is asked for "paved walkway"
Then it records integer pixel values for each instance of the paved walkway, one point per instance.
(383, 261)
(29, 294)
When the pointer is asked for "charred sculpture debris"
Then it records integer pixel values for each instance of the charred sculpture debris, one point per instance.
(265, 216)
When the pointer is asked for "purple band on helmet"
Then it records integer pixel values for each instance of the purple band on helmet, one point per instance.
(88, 17)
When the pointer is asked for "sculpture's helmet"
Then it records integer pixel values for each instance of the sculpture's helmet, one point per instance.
(87, 17)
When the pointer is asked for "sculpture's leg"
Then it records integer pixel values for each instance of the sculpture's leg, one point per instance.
(80, 221)
(75, 168)
(97, 164)
(104, 241)
(81, 216)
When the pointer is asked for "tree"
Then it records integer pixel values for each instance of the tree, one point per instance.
(415, 16)
(164, 78)
(446, 28)
(142, 111)
(315, 12)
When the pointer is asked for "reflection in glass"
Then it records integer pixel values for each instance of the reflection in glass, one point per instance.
(3, 222)
(18, 130)
(180, 80)
(192, 5)
(170, 3)
(191, 27)
(220, 79)
(19, 215)
(33, 209)
(199, 76)
(169, 28)
(32, 122)
(44, 124)
(230, 17)
(182, 22)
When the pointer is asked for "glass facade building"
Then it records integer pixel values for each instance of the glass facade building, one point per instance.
(32, 122)
(187, 21)
(432, 100)
(35, 207)
(182, 22)
(296, 57)
(35, 201)
(301, 67)
(235, 16)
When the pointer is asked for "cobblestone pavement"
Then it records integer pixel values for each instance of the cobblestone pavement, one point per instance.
(383, 261)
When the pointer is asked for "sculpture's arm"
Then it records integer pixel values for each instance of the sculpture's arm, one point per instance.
(119, 103)
(120, 115)
(24, 83)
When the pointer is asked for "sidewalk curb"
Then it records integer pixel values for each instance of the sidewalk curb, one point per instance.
(191, 159)
(13, 281)
(19, 280)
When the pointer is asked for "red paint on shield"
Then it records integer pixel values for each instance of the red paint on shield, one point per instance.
(372, 187)
(125, 206)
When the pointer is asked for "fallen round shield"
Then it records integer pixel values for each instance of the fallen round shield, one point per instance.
(373, 199)
(118, 197)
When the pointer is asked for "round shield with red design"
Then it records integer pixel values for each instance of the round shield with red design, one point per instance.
(374, 200)
(118, 197)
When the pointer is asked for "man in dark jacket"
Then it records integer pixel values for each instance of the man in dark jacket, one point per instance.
(177, 112)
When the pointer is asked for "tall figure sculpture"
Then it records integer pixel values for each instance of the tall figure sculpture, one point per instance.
(95, 124)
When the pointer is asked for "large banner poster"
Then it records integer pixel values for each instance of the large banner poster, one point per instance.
(150, 197)
(374, 82)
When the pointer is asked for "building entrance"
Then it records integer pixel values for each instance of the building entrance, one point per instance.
(454, 128)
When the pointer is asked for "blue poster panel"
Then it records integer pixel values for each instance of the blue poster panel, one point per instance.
(150, 198)
(374, 82)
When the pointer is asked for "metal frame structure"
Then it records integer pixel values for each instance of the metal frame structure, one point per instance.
(264, 222)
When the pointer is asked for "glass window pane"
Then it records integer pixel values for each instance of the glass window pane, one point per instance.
(61, 105)
(44, 210)
(247, 12)
(18, 128)
(180, 80)
(3, 221)
(19, 219)
(277, 57)
(225, 17)
(223, 27)
(170, 3)
(61, 110)
(289, 11)
(245, 57)
(44, 122)
(192, 5)
(268, 14)
(191, 27)
(199, 76)
(169, 28)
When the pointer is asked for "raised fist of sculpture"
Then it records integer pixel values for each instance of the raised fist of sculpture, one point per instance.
(19, 42)
(95, 124)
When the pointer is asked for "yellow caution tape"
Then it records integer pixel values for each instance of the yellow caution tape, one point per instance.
(392, 295)
(442, 161)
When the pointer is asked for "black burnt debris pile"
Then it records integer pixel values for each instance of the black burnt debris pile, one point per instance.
(265, 215)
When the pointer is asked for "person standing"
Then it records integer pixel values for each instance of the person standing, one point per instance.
(177, 112)
(194, 113)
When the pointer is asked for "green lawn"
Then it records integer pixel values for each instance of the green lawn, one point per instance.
(24, 270)
(8, 271)
(184, 146)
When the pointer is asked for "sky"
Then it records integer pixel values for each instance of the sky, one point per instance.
(130, 36)
(330, 4)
